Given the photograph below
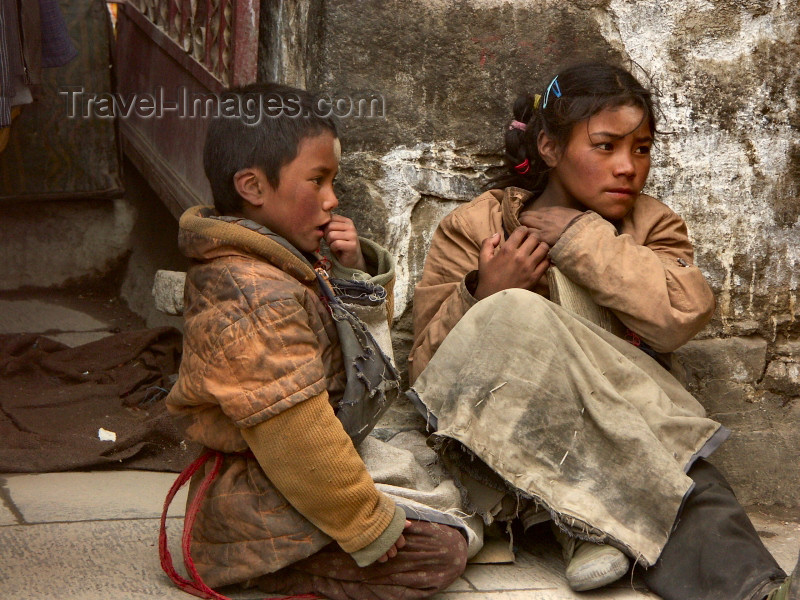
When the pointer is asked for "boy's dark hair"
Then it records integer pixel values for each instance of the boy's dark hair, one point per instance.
(579, 92)
(258, 125)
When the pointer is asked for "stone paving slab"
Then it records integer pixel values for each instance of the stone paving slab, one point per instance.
(36, 316)
(94, 560)
(6, 516)
(98, 560)
(92, 496)
(781, 535)
(74, 339)
(93, 536)
(71, 327)
(525, 574)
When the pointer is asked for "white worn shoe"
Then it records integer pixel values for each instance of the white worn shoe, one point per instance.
(590, 565)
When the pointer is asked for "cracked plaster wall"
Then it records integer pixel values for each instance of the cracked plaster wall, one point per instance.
(726, 72)
(63, 242)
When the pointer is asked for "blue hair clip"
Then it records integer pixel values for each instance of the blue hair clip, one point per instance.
(556, 91)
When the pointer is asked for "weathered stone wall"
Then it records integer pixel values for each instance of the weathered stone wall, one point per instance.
(727, 75)
(49, 244)
(52, 244)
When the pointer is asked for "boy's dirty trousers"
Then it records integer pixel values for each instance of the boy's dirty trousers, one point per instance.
(433, 557)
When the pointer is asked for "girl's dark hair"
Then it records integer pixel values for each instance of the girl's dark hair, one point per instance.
(259, 125)
(585, 89)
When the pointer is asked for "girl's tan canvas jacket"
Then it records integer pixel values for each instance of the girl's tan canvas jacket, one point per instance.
(641, 268)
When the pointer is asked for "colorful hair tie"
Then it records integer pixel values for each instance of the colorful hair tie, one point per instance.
(537, 100)
(556, 91)
(523, 167)
(517, 125)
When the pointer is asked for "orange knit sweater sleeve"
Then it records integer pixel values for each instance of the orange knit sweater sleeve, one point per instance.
(308, 456)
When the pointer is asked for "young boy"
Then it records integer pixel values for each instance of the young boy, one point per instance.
(262, 373)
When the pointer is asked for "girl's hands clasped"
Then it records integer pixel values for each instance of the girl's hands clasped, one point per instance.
(519, 263)
(342, 238)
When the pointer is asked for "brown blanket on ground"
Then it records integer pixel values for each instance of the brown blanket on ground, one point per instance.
(54, 399)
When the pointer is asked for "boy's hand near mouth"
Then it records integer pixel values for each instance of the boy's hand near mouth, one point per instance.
(342, 238)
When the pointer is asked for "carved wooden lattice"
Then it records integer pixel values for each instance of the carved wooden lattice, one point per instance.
(218, 34)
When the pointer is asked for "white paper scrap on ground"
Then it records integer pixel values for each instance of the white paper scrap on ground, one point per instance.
(106, 436)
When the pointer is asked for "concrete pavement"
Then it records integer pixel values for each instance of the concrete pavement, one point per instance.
(93, 535)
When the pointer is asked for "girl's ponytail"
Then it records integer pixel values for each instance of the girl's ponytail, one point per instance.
(525, 168)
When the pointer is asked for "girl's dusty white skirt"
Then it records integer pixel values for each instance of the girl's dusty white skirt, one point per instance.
(525, 395)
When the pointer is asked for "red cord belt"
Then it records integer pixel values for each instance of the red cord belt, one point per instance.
(195, 585)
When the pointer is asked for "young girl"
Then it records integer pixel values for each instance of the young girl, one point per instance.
(574, 423)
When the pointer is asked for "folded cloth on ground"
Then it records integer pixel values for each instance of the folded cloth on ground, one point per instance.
(54, 399)
(408, 470)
